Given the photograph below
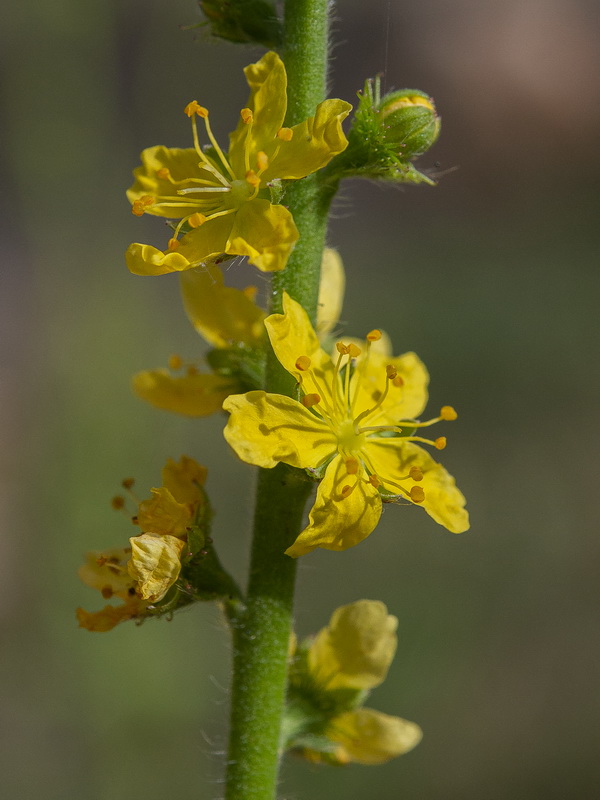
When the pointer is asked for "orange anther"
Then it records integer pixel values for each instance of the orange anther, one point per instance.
(147, 200)
(346, 490)
(137, 208)
(127, 483)
(417, 495)
(106, 592)
(117, 502)
(374, 481)
(252, 178)
(172, 244)
(285, 134)
(163, 173)
(191, 108)
(448, 413)
(353, 350)
(398, 381)
(351, 466)
(390, 371)
(175, 362)
(310, 400)
(247, 115)
(197, 219)
(303, 363)
(342, 348)
(262, 160)
(415, 473)
(250, 292)
(374, 335)
(440, 442)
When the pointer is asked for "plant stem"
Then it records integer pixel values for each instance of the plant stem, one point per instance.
(262, 632)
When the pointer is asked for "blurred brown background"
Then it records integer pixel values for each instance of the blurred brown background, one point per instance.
(492, 277)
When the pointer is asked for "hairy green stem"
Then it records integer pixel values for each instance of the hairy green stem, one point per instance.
(262, 632)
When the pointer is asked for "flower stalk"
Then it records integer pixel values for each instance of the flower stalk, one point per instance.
(262, 632)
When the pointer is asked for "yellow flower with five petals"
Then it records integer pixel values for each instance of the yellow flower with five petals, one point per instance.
(223, 200)
(356, 420)
(343, 662)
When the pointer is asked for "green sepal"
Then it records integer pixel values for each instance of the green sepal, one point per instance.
(311, 706)
(196, 541)
(202, 574)
(242, 363)
(381, 143)
(243, 21)
(277, 187)
(317, 744)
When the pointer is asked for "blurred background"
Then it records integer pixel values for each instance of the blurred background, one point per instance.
(492, 278)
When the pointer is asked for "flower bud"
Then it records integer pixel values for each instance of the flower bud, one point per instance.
(409, 120)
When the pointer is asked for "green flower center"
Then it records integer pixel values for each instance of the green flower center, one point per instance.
(344, 419)
(348, 440)
(241, 191)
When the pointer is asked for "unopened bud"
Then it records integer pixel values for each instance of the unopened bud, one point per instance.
(409, 120)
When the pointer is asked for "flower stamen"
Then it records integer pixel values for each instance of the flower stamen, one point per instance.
(390, 375)
(192, 109)
(352, 466)
(310, 400)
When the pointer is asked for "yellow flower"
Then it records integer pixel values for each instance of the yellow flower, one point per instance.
(226, 318)
(357, 420)
(354, 652)
(145, 571)
(223, 201)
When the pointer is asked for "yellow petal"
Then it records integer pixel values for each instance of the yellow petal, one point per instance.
(162, 514)
(331, 291)
(291, 336)
(196, 395)
(200, 246)
(268, 101)
(263, 232)
(357, 647)
(182, 164)
(109, 616)
(370, 737)
(106, 571)
(338, 522)
(393, 458)
(313, 144)
(221, 315)
(402, 402)
(144, 259)
(265, 429)
(155, 564)
(184, 479)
